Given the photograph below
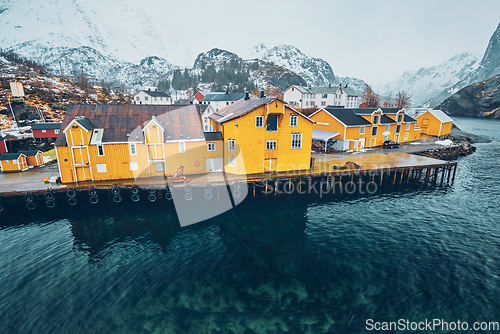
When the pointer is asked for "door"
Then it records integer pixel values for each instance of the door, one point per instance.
(397, 138)
(80, 155)
(270, 165)
(374, 142)
(214, 164)
(83, 174)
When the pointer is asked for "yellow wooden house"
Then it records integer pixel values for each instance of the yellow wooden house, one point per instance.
(349, 130)
(406, 129)
(110, 142)
(263, 135)
(433, 122)
(13, 162)
(33, 157)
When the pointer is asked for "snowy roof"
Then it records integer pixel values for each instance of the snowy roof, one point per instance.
(440, 115)
(324, 135)
(223, 97)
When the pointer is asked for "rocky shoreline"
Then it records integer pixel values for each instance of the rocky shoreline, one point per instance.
(456, 150)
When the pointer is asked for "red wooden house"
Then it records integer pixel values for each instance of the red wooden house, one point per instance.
(3, 145)
(43, 131)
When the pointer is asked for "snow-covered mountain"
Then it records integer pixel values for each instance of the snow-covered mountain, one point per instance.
(430, 86)
(424, 84)
(31, 27)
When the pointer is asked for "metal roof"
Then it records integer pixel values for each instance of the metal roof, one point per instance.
(239, 108)
(213, 135)
(11, 156)
(122, 123)
(365, 111)
(46, 126)
(324, 135)
(408, 119)
(155, 93)
(348, 117)
(30, 152)
(223, 97)
(440, 115)
(387, 120)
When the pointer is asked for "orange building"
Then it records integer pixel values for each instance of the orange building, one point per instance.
(109, 142)
(264, 135)
(433, 122)
(33, 157)
(13, 162)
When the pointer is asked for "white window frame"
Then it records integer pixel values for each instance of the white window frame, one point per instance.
(362, 130)
(387, 127)
(211, 147)
(374, 129)
(14, 162)
(232, 162)
(182, 147)
(259, 120)
(407, 135)
(408, 126)
(400, 118)
(133, 165)
(230, 144)
(271, 144)
(44, 131)
(132, 148)
(377, 118)
(323, 103)
(56, 131)
(101, 168)
(294, 120)
(398, 128)
(99, 151)
(296, 139)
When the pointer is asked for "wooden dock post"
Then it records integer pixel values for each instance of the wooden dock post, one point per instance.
(265, 193)
(253, 189)
(454, 173)
(442, 175)
(395, 174)
(449, 174)
(427, 175)
(434, 177)
(381, 177)
(402, 174)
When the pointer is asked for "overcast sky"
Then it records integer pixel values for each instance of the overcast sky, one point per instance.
(368, 39)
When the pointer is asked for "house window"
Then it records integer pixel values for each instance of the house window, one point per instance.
(259, 121)
(161, 98)
(43, 131)
(313, 96)
(206, 119)
(323, 103)
(154, 98)
(182, 147)
(133, 150)
(7, 162)
(227, 103)
(145, 98)
(387, 127)
(14, 162)
(406, 136)
(313, 103)
(272, 123)
(400, 118)
(56, 131)
(271, 144)
(211, 146)
(100, 150)
(398, 128)
(101, 168)
(374, 130)
(294, 119)
(206, 128)
(407, 126)
(362, 130)
(324, 96)
(296, 141)
(375, 119)
(230, 144)
(138, 98)
(307, 103)
(133, 165)
(232, 162)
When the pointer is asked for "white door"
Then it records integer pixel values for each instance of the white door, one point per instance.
(214, 165)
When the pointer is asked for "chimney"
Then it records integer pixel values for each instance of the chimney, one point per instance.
(247, 96)
(329, 85)
(262, 95)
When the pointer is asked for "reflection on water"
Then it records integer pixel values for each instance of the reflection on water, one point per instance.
(272, 265)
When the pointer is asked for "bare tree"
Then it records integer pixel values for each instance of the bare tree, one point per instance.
(402, 99)
(370, 97)
(388, 102)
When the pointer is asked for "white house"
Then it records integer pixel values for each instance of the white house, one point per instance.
(312, 97)
(152, 97)
(219, 101)
(206, 110)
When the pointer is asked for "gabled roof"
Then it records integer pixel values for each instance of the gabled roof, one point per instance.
(348, 117)
(239, 108)
(213, 135)
(365, 111)
(440, 115)
(11, 156)
(391, 111)
(118, 121)
(2, 138)
(324, 135)
(155, 93)
(183, 102)
(349, 91)
(223, 97)
(324, 90)
(46, 126)
(30, 152)
(84, 123)
(408, 119)
(387, 120)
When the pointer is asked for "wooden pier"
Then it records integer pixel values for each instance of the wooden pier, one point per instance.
(330, 175)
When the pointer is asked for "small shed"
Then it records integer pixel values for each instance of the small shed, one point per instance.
(3, 145)
(434, 122)
(34, 157)
(43, 131)
(13, 162)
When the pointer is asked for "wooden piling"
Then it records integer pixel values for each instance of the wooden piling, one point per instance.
(454, 173)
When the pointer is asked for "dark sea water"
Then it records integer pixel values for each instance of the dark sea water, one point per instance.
(279, 264)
